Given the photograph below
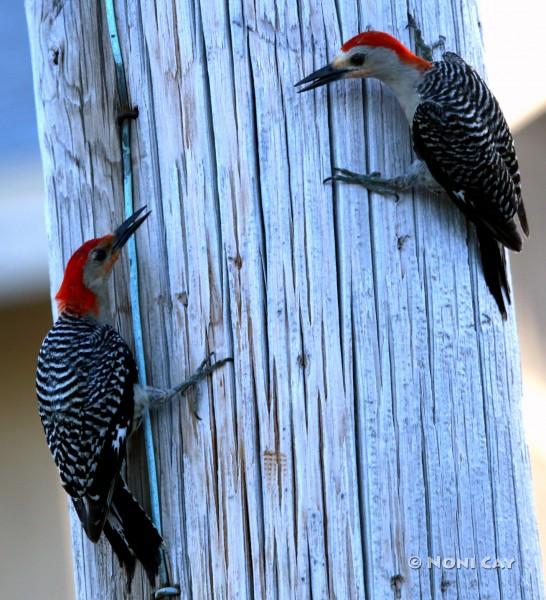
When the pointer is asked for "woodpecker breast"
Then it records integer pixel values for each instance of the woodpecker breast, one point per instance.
(84, 383)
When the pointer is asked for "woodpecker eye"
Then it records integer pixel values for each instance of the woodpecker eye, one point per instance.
(99, 254)
(358, 60)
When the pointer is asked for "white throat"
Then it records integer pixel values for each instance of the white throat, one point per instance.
(403, 81)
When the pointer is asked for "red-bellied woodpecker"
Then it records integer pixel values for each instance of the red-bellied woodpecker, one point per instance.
(90, 402)
(459, 133)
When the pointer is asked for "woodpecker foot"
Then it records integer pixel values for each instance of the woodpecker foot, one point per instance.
(422, 49)
(416, 175)
(147, 397)
(372, 181)
(206, 368)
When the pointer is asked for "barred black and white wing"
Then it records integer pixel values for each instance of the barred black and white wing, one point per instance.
(84, 382)
(461, 134)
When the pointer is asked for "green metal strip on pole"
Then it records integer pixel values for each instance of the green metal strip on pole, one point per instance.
(165, 588)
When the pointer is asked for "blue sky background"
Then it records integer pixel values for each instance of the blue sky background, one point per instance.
(18, 140)
(23, 241)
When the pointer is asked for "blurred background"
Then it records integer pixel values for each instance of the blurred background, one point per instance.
(33, 516)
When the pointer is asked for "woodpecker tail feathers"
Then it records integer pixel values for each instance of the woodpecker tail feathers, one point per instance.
(132, 534)
(494, 268)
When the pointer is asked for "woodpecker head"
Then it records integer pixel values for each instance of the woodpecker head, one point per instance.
(369, 54)
(87, 271)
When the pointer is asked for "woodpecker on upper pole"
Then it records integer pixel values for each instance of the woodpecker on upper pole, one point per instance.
(459, 134)
(90, 402)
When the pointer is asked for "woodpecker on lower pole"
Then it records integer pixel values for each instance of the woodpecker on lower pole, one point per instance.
(459, 134)
(90, 402)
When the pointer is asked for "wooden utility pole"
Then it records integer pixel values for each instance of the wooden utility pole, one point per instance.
(372, 415)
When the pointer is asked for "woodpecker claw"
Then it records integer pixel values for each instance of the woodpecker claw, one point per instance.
(422, 48)
(206, 362)
(194, 411)
(372, 181)
(343, 175)
(207, 367)
(156, 397)
(204, 369)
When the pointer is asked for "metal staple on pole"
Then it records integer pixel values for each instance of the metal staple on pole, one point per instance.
(128, 113)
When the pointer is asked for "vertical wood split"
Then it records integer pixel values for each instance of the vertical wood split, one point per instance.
(373, 411)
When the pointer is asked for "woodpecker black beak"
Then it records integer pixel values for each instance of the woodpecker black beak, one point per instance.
(128, 227)
(321, 77)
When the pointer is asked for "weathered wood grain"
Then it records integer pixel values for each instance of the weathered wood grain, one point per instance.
(373, 410)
